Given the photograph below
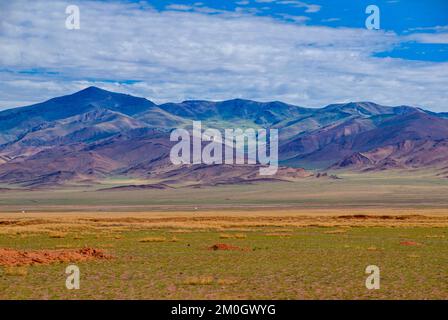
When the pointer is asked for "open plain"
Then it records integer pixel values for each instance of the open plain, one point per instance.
(307, 240)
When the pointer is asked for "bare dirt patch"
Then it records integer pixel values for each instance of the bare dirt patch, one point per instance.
(11, 257)
(223, 246)
(410, 243)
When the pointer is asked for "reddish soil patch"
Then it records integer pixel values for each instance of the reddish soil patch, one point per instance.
(410, 243)
(11, 257)
(223, 246)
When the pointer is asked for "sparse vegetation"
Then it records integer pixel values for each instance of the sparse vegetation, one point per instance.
(308, 240)
(15, 271)
(308, 263)
(201, 280)
(57, 235)
(153, 239)
(232, 236)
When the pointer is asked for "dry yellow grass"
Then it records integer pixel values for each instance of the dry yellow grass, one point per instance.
(227, 282)
(339, 231)
(180, 231)
(15, 271)
(158, 239)
(277, 230)
(85, 224)
(198, 280)
(57, 235)
(232, 236)
(279, 234)
(63, 246)
(153, 239)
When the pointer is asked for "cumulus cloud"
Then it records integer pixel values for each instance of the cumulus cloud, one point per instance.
(174, 55)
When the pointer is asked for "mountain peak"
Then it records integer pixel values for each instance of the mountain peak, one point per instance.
(366, 108)
(92, 90)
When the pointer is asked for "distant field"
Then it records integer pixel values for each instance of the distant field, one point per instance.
(304, 240)
(390, 190)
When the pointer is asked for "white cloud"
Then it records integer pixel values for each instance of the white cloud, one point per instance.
(435, 38)
(331, 19)
(298, 19)
(434, 28)
(180, 7)
(310, 8)
(178, 55)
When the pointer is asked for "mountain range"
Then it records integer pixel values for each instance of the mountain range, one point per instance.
(95, 134)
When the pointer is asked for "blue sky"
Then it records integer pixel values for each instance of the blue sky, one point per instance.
(401, 16)
(309, 53)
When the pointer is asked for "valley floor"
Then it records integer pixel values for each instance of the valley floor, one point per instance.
(310, 240)
(408, 190)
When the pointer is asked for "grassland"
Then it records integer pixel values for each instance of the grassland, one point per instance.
(310, 240)
(290, 257)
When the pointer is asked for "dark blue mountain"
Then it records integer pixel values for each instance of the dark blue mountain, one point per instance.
(26, 118)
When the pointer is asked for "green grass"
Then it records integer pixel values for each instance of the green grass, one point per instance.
(309, 264)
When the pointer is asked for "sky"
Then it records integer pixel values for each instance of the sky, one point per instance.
(309, 53)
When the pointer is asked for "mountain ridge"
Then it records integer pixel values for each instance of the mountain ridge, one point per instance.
(95, 133)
